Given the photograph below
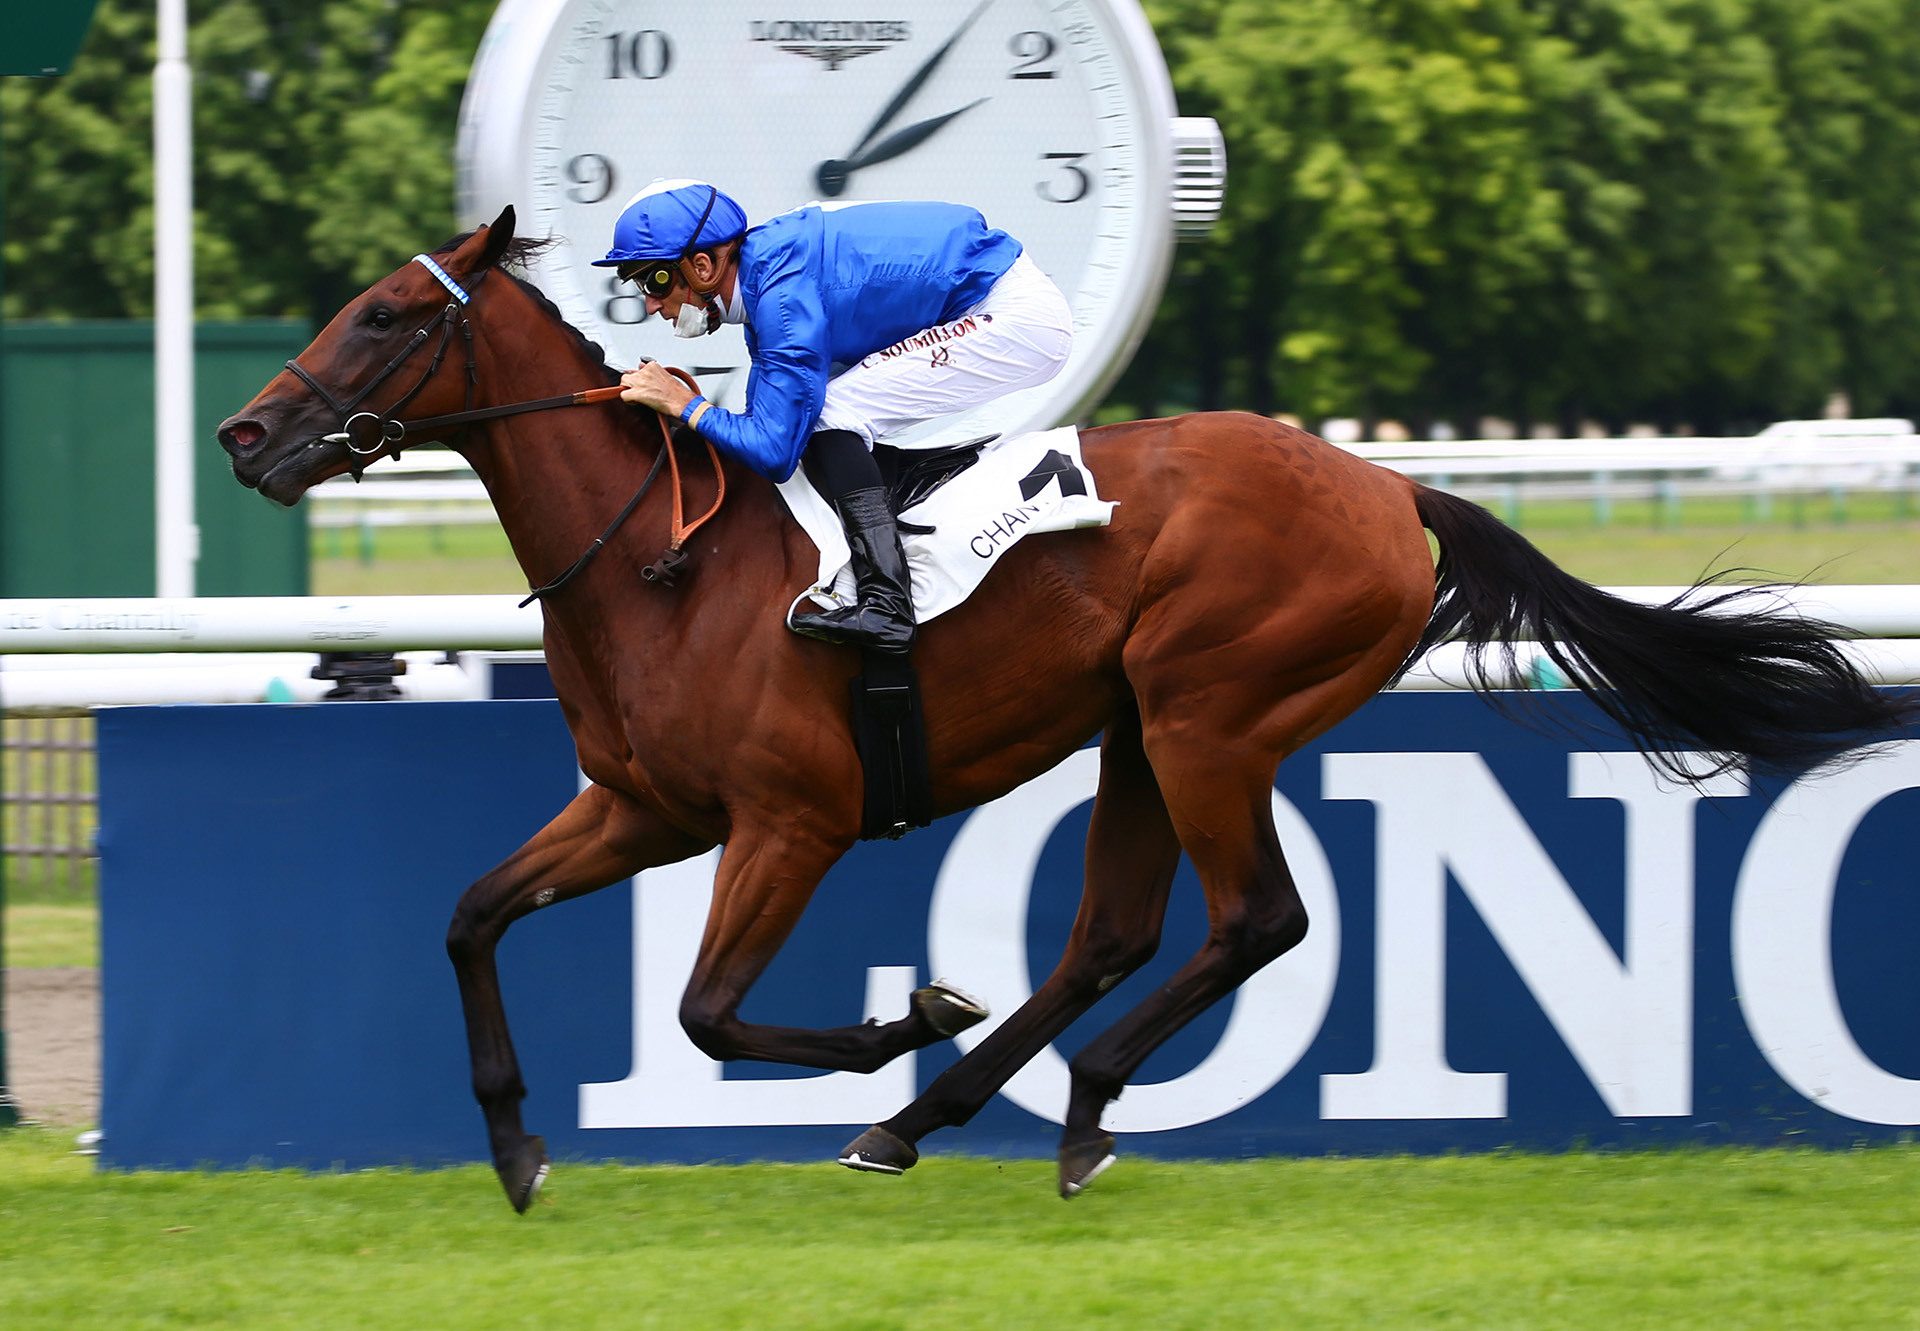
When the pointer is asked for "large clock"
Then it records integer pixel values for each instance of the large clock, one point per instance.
(1053, 117)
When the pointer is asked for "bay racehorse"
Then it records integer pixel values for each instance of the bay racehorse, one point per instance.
(1256, 586)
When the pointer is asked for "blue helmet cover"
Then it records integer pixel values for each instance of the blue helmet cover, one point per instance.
(659, 222)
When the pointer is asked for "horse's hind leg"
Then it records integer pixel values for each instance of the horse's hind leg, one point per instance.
(1132, 854)
(1214, 752)
(597, 840)
(1224, 817)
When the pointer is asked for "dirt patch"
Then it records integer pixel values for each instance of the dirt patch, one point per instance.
(53, 1044)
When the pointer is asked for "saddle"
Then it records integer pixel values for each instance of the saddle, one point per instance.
(984, 501)
(911, 474)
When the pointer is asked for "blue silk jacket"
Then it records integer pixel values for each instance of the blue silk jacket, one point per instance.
(827, 285)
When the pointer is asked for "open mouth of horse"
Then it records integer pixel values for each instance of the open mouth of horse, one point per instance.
(288, 477)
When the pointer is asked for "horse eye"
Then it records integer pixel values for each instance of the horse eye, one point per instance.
(381, 319)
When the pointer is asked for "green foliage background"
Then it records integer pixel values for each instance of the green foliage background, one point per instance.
(1687, 211)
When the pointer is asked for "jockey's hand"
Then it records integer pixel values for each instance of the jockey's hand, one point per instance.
(650, 385)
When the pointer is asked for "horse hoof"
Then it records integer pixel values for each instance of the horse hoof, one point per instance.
(877, 1151)
(1083, 1162)
(523, 1171)
(947, 1009)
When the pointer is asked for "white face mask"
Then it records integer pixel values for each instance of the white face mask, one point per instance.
(696, 319)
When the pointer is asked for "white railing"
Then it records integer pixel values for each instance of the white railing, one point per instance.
(1760, 457)
(97, 652)
(72, 683)
(457, 623)
(1881, 660)
(268, 623)
(1886, 617)
(1761, 468)
(420, 488)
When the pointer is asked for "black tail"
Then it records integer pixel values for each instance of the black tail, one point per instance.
(1763, 685)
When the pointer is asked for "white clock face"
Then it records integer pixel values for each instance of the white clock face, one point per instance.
(1050, 116)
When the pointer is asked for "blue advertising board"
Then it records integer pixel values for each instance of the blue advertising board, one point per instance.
(1516, 940)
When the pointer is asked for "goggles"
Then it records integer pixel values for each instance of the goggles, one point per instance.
(656, 279)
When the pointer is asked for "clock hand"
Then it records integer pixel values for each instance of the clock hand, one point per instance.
(832, 175)
(888, 148)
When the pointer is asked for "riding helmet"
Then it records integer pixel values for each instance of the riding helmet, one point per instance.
(670, 219)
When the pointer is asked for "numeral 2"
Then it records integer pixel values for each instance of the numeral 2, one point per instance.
(1035, 49)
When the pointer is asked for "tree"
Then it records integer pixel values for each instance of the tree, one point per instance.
(1850, 74)
(1386, 207)
(1548, 208)
(323, 148)
(1692, 290)
(1692, 211)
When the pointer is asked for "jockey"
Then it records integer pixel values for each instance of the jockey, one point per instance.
(861, 319)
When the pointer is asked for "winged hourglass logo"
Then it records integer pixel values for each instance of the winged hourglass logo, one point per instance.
(833, 42)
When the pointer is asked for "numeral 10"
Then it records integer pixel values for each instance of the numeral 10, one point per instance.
(647, 54)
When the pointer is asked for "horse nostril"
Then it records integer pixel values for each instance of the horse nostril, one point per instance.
(237, 435)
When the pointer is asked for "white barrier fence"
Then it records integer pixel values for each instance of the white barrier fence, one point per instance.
(80, 638)
(1781, 467)
(67, 683)
(1785, 459)
(104, 651)
(268, 624)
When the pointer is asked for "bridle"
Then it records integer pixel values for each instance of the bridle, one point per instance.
(371, 435)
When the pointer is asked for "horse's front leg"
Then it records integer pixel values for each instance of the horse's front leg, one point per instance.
(765, 879)
(601, 838)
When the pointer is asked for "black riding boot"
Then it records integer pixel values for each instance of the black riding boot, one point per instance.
(845, 473)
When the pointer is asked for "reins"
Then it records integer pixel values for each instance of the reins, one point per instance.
(666, 568)
(372, 435)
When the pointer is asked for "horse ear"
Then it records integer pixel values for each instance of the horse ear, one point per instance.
(499, 236)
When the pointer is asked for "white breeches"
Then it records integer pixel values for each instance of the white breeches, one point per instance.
(1017, 336)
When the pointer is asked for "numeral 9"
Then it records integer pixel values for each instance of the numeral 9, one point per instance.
(592, 177)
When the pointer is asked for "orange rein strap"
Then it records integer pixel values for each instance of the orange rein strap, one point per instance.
(667, 567)
(681, 530)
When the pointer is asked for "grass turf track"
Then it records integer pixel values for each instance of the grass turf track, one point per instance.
(1691, 1238)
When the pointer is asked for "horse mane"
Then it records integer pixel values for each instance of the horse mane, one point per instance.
(519, 252)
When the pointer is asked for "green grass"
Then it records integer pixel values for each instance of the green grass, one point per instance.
(1711, 1239)
(67, 934)
(1611, 557)
(414, 561)
(1797, 512)
(1876, 544)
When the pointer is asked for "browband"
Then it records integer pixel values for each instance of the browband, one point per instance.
(459, 292)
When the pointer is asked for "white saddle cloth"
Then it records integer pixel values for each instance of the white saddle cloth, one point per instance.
(1023, 485)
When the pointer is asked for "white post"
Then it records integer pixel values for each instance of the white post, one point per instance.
(176, 537)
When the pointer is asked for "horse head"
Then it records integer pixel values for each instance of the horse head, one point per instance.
(403, 345)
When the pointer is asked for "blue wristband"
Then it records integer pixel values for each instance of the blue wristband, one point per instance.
(686, 412)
